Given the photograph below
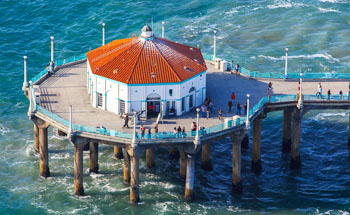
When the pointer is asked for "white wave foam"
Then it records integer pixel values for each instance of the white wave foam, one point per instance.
(332, 212)
(325, 56)
(324, 10)
(3, 129)
(19, 105)
(285, 4)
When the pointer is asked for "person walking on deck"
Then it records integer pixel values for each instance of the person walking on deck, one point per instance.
(329, 94)
(233, 97)
(237, 69)
(340, 95)
(229, 106)
(156, 130)
(126, 121)
(142, 130)
(220, 114)
(245, 108)
(239, 106)
(319, 90)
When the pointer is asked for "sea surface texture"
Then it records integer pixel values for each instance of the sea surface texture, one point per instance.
(252, 33)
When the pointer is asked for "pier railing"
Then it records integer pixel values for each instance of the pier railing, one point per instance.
(291, 75)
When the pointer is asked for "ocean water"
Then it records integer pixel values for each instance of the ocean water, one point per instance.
(253, 33)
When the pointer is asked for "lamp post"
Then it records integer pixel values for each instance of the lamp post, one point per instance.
(163, 29)
(286, 64)
(197, 130)
(52, 48)
(133, 141)
(300, 102)
(214, 54)
(30, 110)
(25, 84)
(247, 121)
(103, 33)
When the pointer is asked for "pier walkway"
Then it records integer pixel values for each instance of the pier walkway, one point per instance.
(68, 87)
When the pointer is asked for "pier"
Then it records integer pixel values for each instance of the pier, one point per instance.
(82, 123)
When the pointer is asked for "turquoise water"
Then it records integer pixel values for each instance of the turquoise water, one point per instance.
(252, 33)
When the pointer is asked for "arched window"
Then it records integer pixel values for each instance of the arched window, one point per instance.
(191, 89)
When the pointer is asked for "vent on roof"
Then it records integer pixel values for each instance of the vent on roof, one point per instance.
(153, 74)
(191, 49)
(115, 71)
(196, 60)
(187, 69)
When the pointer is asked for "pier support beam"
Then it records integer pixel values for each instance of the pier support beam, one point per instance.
(256, 146)
(126, 167)
(245, 142)
(44, 152)
(189, 194)
(287, 124)
(79, 144)
(118, 152)
(206, 161)
(36, 138)
(173, 153)
(93, 157)
(150, 157)
(134, 177)
(183, 163)
(295, 162)
(236, 139)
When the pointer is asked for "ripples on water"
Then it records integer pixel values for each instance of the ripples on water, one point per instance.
(253, 33)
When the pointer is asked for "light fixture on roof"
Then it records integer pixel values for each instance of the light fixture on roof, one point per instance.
(153, 74)
(115, 71)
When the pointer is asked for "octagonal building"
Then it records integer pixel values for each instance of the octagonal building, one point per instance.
(146, 73)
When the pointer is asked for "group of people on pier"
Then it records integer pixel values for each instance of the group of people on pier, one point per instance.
(319, 92)
(50, 68)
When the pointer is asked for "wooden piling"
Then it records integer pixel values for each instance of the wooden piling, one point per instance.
(134, 179)
(189, 194)
(183, 163)
(150, 157)
(245, 142)
(287, 124)
(93, 157)
(295, 161)
(206, 161)
(36, 138)
(78, 169)
(173, 153)
(118, 152)
(126, 167)
(44, 152)
(256, 146)
(236, 163)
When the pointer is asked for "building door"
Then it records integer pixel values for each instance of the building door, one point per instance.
(153, 105)
(99, 99)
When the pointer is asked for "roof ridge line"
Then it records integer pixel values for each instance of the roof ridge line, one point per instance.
(138, 58)
(118, 54)
(185, 55)
(112, 51)
(161, 54)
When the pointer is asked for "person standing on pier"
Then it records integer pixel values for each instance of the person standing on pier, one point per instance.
(340, 95)
(245, 108)
(48, 69)
(142, 131)
(237, 69)
(319, 90)
(149, 135)
(179, 131)
(52, 67)
(239, 106)
(204, 110)
(329, 94)
(183, 132)
(126, 121)
(193, 128)
(229, 106)
(220, 114)
(233, 98)
(156, 130)
(232, 67)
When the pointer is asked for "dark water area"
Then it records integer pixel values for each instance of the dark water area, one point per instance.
(252, 33)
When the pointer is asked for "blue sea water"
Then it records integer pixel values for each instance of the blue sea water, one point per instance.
(253, 33)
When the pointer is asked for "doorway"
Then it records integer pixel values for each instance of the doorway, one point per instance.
(153, 105)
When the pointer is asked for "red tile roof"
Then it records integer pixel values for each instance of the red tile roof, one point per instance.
(139, 61)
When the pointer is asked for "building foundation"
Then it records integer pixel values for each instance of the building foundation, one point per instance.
(118, 152)
(256, 146)
(93, 157)
(295, 161)
(287, 124)
(206, 161)
(150, 157)
(189, 194)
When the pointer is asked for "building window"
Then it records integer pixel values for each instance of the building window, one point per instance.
(99, 99)
(183, 104)
(170, 92)
(191, 101)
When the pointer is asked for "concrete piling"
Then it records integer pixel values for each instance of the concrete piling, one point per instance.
(256, 146)
(295, 161)
(206, 161)
(134, 179)
(189, 194)
(118, 152)
(173, 153)
(287, 124)
(93, 157)
(183, 163)
(236, 163)
(44, 152)
(126, 167)
(150, 157)
(36, 138)
(78, 169)
(245, 142)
